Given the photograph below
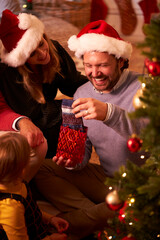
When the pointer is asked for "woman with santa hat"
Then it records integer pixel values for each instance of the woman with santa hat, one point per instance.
(32, 69)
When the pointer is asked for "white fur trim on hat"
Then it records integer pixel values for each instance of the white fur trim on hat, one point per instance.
(99, 42)
(27, 44)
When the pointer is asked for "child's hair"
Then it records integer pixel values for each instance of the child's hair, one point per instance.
(14, 156)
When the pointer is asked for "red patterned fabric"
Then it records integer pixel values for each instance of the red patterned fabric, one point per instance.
(71, 143)
(127, 15)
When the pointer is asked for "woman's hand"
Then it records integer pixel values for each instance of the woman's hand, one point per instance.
(33, 134)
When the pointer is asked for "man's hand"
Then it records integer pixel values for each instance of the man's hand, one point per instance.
(33, 134)
(90, 108)
(63, 162)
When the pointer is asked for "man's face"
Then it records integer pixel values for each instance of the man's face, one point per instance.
(102, 69)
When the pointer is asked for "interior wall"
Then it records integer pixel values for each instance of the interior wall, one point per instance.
(114, 19)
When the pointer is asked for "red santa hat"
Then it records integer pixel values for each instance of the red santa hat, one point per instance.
(102, 37)
(20, 36)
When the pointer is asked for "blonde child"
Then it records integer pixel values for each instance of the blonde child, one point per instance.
(20, 216)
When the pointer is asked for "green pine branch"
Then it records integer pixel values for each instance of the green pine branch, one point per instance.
(142, 216)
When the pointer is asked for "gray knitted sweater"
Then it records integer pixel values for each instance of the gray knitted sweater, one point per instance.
(110, 138)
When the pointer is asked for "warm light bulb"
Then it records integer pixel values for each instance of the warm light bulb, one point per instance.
(124, 174)
(143, 85)
(132, 200)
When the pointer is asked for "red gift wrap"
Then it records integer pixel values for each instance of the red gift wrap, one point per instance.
(71, 143)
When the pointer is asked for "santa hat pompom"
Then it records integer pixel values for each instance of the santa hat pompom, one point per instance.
(73, 44)
(24, 21)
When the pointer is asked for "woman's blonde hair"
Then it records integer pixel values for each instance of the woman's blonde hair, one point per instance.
(14, 156)
(33, 83)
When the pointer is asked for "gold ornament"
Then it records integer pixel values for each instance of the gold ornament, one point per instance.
(113, 201)
(137, 103)
(113, 198)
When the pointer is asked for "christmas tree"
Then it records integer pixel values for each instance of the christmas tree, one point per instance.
(135, 194)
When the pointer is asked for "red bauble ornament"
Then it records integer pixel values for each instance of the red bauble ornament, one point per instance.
(147, 62)
(99, 236)
(154, 68)
(128, 238)
(134, 144)
(122, 213)
(113, 201)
